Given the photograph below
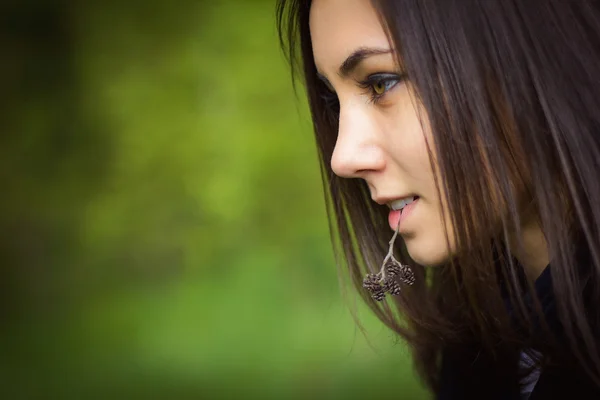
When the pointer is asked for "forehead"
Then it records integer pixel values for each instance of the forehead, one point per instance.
(339, 27)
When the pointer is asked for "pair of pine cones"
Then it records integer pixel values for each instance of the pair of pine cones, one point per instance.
(386, 280)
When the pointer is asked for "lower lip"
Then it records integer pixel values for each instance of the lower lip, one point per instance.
(399, 216)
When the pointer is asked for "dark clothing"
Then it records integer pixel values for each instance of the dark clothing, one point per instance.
(468, 373)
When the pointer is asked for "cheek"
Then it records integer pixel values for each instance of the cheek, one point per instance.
(438, 243)
(408, 140)
(430, 246)
(434, 243)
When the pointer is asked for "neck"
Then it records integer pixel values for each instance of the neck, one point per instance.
(531, 249)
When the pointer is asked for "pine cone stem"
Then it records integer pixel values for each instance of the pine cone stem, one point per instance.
(385, 280)
(390, 253)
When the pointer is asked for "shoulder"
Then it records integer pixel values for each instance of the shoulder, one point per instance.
(565, 382)
(468, 372)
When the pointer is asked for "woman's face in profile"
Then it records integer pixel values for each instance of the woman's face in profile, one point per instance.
(380, 138)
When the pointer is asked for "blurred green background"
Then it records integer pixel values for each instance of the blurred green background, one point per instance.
(163, 232)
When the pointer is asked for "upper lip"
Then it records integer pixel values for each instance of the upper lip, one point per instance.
(386, 201)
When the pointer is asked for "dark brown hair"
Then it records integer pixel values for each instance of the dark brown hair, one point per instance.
(521, 84)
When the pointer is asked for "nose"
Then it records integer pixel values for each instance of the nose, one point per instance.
(357, 150)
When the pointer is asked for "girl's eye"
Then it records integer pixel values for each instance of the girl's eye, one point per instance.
(382, 86)
(378, 85)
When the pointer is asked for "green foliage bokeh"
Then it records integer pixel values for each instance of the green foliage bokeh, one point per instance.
(163, 227)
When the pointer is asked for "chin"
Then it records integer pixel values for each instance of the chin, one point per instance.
(428, 253)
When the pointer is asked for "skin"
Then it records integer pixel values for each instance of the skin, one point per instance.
(384, 142)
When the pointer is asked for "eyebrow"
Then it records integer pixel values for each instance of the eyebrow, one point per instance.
(358, 56)
(353, 61)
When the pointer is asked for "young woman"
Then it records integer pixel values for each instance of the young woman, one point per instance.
(472, 129)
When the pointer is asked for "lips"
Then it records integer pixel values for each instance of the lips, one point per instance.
(397, 218)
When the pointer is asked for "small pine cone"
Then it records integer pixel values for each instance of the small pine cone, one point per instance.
(378, 295)
(392, 268)
(392, 287)
(372, 283)
(407, 276)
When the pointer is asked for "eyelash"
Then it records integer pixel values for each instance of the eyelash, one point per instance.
(331, 100)
(382, 78)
